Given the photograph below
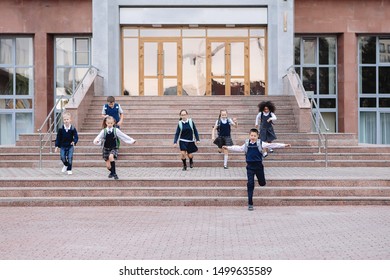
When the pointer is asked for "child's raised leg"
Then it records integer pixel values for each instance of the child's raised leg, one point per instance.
(225, 158)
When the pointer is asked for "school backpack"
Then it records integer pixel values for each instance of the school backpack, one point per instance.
(191, 125)
(258, 143)
(118, 142)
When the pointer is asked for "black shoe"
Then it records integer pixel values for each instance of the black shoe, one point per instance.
(115, 177)
(110, 175)
(184, 168)
(250, 207)
(191, 164)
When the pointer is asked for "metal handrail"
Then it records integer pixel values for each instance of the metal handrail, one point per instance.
(316, 116)
(46, 137)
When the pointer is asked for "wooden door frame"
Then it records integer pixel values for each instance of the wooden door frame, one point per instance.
(228, 76)
(160, 55)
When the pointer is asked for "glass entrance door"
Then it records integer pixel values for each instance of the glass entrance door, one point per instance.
(159, 70)
(227, 67)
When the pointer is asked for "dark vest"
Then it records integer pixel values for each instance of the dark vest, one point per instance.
(110, 141)
(224, 129)
(113, 112)
(253, 154)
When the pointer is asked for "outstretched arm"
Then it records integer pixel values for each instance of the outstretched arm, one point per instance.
(274, 145)
(124, 137)
(235, 148)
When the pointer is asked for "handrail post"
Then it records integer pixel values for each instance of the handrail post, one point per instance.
(50, 134)
(40, 149)
(326, 150)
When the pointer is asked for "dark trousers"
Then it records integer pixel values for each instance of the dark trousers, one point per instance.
(252, 169)
(67, 156)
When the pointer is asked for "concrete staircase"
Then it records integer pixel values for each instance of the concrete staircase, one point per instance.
(152, 122)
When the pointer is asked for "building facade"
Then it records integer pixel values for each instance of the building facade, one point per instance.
(340, 49)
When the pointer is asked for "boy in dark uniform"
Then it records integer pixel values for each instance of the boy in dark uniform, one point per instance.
(67, 138)
(114, 110)
(254, 160)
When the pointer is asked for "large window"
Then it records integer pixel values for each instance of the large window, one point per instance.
(72, 60)
(374, 89)
(16, 88)
(316, 64)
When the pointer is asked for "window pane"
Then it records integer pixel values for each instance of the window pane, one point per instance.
(7, 135)
(368, 80)
(79, 75)
(170, 86)
(330, 121)
(169, 59)
(226, 32)
(82, 58)
(24, 123)
(297, 50)
(194, 66)
(6, 81)
(310, 79)
(218, 59)
(327, 81)
(257, 32)
(82, 45)
(257, 66)
(130, 65)
(64, 83)
(218, 87)
(384, 51)
(6, 103)
(23, 104)
(24, 51)
(158, 32)
(194, 32)
(327, 50)
(237, 87)
(150, 59)
(384, 79)
(367, 102)
(130, 32)
(327, 103)
(384, 102)
(367, 133)
(6, 51)
(237, 59)
(367, 50)
(385, 127)
(309, 51)
(24, 81)
(64, 51)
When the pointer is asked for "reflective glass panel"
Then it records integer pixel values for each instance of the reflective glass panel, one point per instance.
(24, 51)
(64, 83)
(23, 104)
(150, 59)
(194, 32)
(367, 102)
(218, 87)
(7, 135)
(24, 81)
(194, 66)
(159, 32)
(6, 51)
(257, 32)
(6, 81)
(6, 103)
(218, 59)
(24, 123)
(367, 50)
(64, 51)
(82, 58)
(368, 80)
(79, 75)
(82, 45)
(367, 127)
(170, 86)
(309, 51)
(384, 80)
(169, 59)
(237, 59)
(385, 128)
(327, 103)
(309, 79)
(151, 87)
(297, 50)
(237, 87)
(327, 50)
(384, 50)
(384, 102)
(130, 65)
(327, 80)
(330, 121)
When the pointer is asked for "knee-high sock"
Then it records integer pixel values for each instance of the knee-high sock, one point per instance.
(225, 159)
(113, 171)
(184, 162)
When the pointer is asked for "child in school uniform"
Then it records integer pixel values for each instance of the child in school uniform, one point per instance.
(114, 110)
(264, 122)
(254, 160)
(108, 138)
(186, 134)
(224, 138)
(66, 139)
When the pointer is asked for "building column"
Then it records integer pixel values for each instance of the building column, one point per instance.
(347, 84)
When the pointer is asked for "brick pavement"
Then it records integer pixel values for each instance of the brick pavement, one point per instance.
(202, 233)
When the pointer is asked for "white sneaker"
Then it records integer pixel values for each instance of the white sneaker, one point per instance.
(70, 172)
(64, 169)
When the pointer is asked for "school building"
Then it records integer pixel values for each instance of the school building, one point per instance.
(339, 48)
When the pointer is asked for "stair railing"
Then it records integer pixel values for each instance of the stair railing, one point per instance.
(316, 116)
(54, 118)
